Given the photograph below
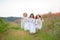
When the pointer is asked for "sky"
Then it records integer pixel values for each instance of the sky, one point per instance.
(16, 8)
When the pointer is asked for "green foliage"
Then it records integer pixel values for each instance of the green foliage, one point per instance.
(52, 27)
(3, 25)
(50, 30)
(16, 28)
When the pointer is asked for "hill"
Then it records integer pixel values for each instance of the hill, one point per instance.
(50, 29)
(11, 19)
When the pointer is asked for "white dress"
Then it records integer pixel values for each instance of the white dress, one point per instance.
(24, 23)
(32, 28)
(38, 24)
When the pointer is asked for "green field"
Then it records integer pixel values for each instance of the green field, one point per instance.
(12, 31)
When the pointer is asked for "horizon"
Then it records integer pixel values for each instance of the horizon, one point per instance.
(16, 8)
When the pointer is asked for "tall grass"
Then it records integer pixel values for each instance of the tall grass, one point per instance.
(3, 25)
(50, 30)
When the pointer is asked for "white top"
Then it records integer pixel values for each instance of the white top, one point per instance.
(38, 23)
(24, 21)
(32, 27)
(31, 20)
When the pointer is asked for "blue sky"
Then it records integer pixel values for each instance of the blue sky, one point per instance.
(18, 7)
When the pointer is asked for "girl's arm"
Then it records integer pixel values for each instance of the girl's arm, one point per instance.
(42, 20)
(35, 22)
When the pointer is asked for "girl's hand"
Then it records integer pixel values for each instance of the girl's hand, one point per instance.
(42, 20)
(35, 24)
(28, 21)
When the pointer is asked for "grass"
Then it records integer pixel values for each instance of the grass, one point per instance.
(17, 35)
(20, 34)
(50, 31)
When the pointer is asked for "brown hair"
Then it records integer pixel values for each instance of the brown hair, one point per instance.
(31, 14)
(39, 16)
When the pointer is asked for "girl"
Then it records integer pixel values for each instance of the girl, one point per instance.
(32, 28)
(24, 22)
(38, 22)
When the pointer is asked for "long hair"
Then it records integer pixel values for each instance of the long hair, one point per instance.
(31, 15)
(39, 16)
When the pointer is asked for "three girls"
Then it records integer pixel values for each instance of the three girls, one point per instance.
(31, 23)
